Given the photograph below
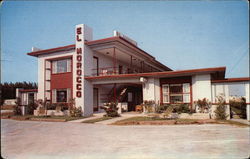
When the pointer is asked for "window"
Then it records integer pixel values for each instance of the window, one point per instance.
(60, 95)
(31, 98)
(186, 92)
(61, 66)
(165, 93)
(176, 93)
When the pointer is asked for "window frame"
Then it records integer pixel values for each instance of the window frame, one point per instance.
(54, 95)
(182, 94)
(165, 93)
(54, 65)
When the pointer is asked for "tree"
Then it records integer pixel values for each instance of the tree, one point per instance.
(8, 90)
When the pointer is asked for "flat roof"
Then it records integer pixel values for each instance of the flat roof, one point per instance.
(242, 79)
(96, 42)
(220, 70)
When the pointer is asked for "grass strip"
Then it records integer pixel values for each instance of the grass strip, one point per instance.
(91, 121)
(234, 123)
(162, 121)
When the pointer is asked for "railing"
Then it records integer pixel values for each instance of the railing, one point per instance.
(105, 71)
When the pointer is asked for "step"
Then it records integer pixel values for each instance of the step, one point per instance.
(6, 111)
(8, 107)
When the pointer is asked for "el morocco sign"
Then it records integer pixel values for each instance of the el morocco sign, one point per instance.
(79, 58)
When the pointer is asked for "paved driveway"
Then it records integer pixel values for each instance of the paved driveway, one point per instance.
(40, 140)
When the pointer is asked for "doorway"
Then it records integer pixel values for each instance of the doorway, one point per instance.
(134, 97)
(95, 100)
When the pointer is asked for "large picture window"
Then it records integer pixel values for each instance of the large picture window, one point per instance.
(61, 66)
(176, 93)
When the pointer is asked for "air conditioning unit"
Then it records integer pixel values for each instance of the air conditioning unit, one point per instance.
(116, 33)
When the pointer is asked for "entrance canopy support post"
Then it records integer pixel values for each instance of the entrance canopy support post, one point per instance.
(115, 93)
(114, 61)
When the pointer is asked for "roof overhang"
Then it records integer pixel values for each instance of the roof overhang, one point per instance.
(229, 80)
(166, 74)
(97, 43)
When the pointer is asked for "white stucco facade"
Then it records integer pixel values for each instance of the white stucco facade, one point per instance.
(201, 87)
(42, 69)
(151, 90)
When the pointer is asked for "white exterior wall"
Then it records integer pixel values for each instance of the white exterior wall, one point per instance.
(220, 89)
(88, 86)
(105, 61)
(151, 89)
(86, 99)
(41, 80)
(41, 69)
(157, 90)
(223, 88)
(201, 87)
(247, 88)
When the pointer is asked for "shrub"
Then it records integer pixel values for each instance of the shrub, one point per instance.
(161, 108)
(17, 110)
(181, 108)
(64, 106)
(31, 107)
(148, 105)
(111, 110)
(203, 105)
(73, 110)
(238, 106)
(168, 111)
(220, 112)
(17, 107)
(52, 106)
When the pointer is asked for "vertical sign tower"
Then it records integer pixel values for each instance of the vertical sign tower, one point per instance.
(80, 68)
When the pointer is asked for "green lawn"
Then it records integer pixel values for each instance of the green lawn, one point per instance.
(97, 120)
(154, 120)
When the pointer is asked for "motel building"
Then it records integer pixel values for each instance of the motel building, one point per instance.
(94, 72)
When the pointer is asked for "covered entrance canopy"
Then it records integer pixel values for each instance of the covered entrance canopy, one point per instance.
(127, 94)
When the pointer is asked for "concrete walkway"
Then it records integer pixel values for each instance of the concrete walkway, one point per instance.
(122, 117)
(110, 121)
(95, 116)
(243, 121)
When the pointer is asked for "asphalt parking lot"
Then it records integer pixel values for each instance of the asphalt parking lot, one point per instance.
(40, 140)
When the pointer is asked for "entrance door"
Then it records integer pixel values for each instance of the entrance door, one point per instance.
(134, 97)
(120, 69)
(30, 98)
(95, 99)
(130, 101)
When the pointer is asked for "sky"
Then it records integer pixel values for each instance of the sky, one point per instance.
(180, 34)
